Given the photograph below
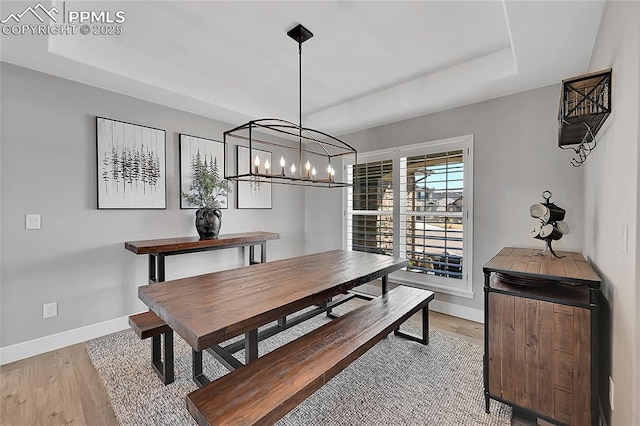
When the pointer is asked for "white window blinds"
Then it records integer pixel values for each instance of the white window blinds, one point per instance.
(370, 199)
(431, 221)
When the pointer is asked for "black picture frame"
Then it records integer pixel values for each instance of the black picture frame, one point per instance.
(131, 165)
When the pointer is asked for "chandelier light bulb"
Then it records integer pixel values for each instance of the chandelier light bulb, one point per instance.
(267, 165)
(282, 163)
(293, 169)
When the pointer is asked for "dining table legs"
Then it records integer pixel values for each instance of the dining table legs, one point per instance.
(250, 346)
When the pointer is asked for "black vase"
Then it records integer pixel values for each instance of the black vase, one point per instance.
(208, 222)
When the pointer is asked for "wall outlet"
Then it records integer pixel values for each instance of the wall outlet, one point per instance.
(50, 310)
(33, 221)
(611, 393)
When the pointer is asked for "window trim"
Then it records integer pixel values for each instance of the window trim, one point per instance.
(460, 288)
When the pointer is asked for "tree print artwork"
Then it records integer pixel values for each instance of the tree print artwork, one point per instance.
(126, 170)
(131, 161)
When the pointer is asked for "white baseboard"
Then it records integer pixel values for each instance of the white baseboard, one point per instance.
(464, 312)
(60, 340)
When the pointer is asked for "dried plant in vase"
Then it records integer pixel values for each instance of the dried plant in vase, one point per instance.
(205, 191)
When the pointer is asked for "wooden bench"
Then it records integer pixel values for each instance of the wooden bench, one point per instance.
(148, 324)
(271, 386)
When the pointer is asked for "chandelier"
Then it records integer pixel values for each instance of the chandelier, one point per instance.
(304, 156)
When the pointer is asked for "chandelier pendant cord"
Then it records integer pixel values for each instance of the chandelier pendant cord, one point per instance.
(300, 101)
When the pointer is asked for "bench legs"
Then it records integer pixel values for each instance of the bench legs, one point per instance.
(424, 339)
(164, 369)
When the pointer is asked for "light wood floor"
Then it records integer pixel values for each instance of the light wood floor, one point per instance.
(62, 387)
(56, 388)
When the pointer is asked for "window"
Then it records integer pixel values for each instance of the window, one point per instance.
(415, 202)
(432, 194)
(371, 222)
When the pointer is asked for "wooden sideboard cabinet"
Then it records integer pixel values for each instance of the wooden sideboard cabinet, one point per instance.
(541, 335)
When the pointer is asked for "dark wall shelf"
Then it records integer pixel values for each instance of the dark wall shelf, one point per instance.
(584, 107)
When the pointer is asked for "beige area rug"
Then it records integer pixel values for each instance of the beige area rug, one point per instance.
(397, 382)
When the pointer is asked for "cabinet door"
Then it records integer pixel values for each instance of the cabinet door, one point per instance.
(539, 356)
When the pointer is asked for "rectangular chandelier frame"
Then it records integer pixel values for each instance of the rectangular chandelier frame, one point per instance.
(313, 154)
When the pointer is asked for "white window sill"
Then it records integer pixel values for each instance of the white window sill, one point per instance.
(467, 293)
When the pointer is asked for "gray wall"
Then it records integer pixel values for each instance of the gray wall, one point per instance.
(516, 158)
(48, 166)
(612, 182)
(323, 219)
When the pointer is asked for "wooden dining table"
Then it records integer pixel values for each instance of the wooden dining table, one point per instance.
(209, 309)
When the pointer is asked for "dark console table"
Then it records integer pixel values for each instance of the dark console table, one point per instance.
(159, 249)
(541, 335)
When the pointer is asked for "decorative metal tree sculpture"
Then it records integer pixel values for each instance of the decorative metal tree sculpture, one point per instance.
(552, 226)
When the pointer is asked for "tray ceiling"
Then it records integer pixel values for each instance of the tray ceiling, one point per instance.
(369, 63)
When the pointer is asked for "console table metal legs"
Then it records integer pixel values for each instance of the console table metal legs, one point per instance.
(156, 268)
(263, 254)
(157, 262)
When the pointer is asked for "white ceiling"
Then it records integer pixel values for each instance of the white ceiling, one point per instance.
(369, 63)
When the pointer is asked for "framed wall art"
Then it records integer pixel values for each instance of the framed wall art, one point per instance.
(254, 194)
(131, 165)
(204, 154)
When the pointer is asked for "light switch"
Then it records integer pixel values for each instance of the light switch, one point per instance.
(624, 231)
(33, 221)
